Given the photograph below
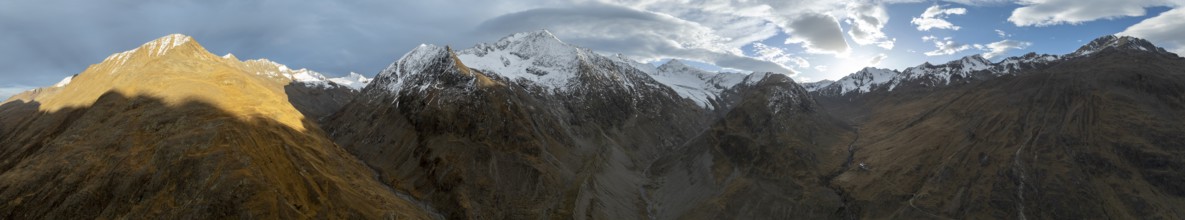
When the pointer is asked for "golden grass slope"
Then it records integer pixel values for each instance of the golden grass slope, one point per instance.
(177, 68)
(170, 131)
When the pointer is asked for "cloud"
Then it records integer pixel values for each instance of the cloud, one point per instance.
(935, 18)
(813, 24)
(1002, 34)
(867, 21)
(877, 59)
(778, 55)
(982, 2)
(1054, 12)
(1165, 30)
(821, 68)
(945, 46)
(998, 48)
(818, 33)
(642, 35)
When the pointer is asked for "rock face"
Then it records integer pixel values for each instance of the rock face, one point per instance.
(168, 130)
(487, 142)
(771, 156)
(1087, 136)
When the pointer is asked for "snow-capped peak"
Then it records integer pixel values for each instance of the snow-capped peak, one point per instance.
(65, 81)
(674, 64)
(1117, 42)
(815, 86)
(973, 66)
(975, 60)
(678, 67)
(272, 69)
(865, 80)
(692, 83)
(538, 36)
(353, 80)
(645, 68)
(157, 47)
(162, 45)
(1027, 61)
(536, 56)
(416, 61)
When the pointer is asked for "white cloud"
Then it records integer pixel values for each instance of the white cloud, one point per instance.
(1054, 12)
(812, 24)
(1164, 30)
(821, 68)
(935, 18)
(945, 46)
(778, 55)
(982, 2)
(867, 20)
(1002, 34)
(999, 48)
(877, 59)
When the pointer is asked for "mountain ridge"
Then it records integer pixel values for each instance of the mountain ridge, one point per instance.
(975, 66)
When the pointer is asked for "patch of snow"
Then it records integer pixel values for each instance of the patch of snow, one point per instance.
(413, 62)
(693, 83)
(302, 75)
(815, 86)
(64, 82)
(645, 68)
(537, 56)
(864, 80)
(162, 45)
(353, 81)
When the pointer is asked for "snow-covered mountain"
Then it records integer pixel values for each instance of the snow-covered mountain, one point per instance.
(541, 62)
(1027, 61)
(353, 80)
(64, 81)
(272, 69)
(556, 114)
(861, 81)
(814, 86)
(937, 75)
(1117, 42)
(969, 68)
(696, 84)
(541, 59)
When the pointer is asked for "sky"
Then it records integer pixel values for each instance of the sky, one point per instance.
(42, 41)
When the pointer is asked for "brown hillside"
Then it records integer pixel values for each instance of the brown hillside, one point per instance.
(170, 131)
(1093, 137)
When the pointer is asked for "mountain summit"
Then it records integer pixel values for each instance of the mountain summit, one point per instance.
(168, 130)
(975, 67)
(1116, 42)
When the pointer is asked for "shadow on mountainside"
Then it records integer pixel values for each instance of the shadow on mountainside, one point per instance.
(138, 157)
(315, 101)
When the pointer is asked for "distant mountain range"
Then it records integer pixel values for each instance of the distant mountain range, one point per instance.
(531, 127)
